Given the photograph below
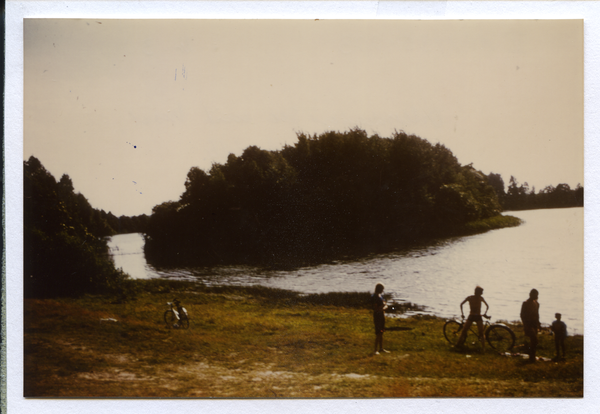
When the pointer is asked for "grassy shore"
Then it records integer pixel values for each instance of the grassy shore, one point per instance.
(493, 223)
(265, 343)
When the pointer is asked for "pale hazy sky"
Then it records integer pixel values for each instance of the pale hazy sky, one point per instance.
(127, 107)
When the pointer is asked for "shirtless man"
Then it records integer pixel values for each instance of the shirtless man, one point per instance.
(474, 316)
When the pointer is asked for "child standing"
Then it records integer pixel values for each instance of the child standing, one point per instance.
(559, 328)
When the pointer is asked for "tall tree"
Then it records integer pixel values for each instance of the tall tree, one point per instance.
(63, 256)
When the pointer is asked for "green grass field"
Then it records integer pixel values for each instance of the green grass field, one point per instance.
(263, 343)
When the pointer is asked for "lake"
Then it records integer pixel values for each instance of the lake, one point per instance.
(546, 253)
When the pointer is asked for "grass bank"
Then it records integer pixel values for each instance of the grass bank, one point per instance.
(493, 223)
(264, 343)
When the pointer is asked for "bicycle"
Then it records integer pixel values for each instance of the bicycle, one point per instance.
(500, 337)
(176, 316)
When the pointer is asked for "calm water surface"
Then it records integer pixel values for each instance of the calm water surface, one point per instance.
(545, 253)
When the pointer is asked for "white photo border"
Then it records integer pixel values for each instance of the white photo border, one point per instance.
(16, 11)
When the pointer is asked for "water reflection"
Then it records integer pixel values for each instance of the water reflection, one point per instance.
(546, 253)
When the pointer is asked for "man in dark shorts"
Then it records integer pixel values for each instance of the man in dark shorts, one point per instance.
(530, 315)
(474, 316)
(379, 307)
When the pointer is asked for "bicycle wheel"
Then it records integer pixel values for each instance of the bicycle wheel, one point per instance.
(472, 339)
(501, 338)
(452, 331)
(170, 318)
(184, 322)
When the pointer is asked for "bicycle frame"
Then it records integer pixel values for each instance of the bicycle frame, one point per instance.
(498, 335)
(174, 309)
(486, 324)
(177, 310)
(176, 316)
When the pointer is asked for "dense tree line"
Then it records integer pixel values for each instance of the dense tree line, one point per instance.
(125, 224)
(65, 251)
(521, 197)
(322, 197)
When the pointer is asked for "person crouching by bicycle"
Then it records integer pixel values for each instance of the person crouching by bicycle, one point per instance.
(379, 307)
(474, 316)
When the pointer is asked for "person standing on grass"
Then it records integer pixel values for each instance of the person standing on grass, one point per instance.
(379, 307)
(559, 328)
(530, 315)
(475, 302)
